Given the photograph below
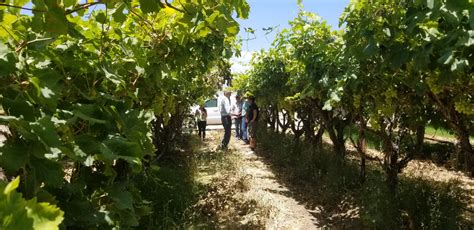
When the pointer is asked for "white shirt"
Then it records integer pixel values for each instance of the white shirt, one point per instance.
(224, 106)
(237, 108)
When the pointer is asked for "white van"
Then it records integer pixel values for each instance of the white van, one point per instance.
(213, 114)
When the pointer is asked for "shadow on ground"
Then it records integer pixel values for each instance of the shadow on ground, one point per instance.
(334, 195)
(170, 186)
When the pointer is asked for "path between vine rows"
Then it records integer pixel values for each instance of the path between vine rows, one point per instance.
(281, 210)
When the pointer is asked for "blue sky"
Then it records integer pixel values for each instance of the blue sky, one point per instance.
(271, 13)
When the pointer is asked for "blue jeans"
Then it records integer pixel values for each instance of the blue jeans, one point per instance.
(227, 123)
(238, 127)
(244, 129)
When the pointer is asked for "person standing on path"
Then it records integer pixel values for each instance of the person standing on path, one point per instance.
(245, 107)
(224, 108)
(252, 118)
(237, 114)
(201, 117)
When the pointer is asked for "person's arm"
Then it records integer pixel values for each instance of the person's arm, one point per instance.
(228, 107)
(232, 110)
(221, 106)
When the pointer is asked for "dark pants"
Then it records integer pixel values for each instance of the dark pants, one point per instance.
(202, 129)
(253, 129)
(227, 123)
(244, 129)
(238, 127)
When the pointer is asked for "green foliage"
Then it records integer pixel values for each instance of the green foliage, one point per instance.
(445, 202)
(172, 192)
(423, 204)
(80, 93)
(18, 213)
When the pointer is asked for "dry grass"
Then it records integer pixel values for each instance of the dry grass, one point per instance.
(224, 203)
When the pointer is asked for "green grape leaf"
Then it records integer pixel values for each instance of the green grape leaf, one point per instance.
(14, 156)
(118, 14)
(150, 6)
(44, 215)
(48, 171)
(122, 198)
(13, 185)
(122, 147)
(233, 30)
(242, 8)
(69, 3)
(371, 48)
(55, 19)
(7, 60)
(87, 112)
(18, 213)
(100, 17)
(114, 78)
(45, 130)
(20, 108)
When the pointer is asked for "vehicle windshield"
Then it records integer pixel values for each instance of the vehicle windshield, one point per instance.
(211, 103)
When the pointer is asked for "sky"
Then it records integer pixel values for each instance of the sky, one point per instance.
(277, 13)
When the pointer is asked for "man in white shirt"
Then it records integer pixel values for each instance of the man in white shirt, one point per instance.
(237, 116)
(224, 108)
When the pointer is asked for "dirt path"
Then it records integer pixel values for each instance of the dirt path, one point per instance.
(277, 209)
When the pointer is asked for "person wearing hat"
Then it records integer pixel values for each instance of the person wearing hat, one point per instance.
(252, 119)
(243, 130)
(225, 110)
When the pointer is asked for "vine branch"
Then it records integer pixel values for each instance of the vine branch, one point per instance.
(80, 7)
(23, 8)
(167, 4)
(83, 6)
(6, 30)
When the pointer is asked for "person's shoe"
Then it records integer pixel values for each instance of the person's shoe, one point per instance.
(221, 148)
(247, 142)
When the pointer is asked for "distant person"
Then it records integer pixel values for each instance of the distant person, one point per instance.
(245, 108)
(252, 119)
(201, 117)
(224, 109)
(237, 115)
